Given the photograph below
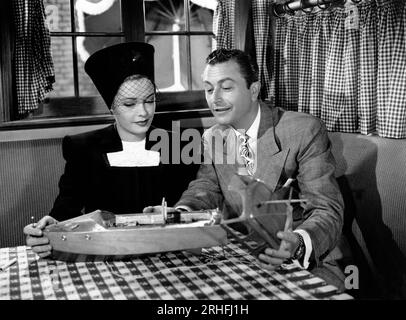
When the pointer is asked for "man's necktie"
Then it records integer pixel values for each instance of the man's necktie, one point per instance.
(246, 154)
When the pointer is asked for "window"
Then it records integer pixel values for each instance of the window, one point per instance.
(180, 30)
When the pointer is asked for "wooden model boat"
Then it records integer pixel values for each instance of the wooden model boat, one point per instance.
(102, 233)
(110, 236)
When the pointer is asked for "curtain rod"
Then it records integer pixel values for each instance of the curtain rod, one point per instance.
(290, 7)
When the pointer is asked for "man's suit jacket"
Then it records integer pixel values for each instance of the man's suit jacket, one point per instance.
(290, 145)
(89, 182)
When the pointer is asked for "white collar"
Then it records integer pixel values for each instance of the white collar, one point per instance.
(129, 145)
(252, 131)
(134, 154)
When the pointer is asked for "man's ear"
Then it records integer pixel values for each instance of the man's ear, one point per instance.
(255, 88)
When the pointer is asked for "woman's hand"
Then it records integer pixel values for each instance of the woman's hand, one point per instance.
(35, 237)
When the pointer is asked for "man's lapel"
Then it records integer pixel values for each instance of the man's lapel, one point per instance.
(225, 146)
(270, 158)
(222, 146)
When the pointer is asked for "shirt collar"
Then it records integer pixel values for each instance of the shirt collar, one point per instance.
(252, 131)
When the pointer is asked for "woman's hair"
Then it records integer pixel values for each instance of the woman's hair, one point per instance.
(140, 76)
(248, 67)
(132, 78)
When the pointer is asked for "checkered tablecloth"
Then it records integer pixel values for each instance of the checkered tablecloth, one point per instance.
(217, 273)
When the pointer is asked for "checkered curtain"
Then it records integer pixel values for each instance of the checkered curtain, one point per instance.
(261, 11)
(391, 87)
(34, 70)
(346, 66)
(223, 24)
(286, 78)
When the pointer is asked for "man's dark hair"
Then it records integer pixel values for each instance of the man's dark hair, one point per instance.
(248, 66)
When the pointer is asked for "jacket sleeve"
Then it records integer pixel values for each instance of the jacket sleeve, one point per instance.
(204, 192)
(323, 213)
(70, 200)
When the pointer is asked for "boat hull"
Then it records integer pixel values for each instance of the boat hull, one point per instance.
(137, 241)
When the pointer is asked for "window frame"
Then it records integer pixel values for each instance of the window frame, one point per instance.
(69, 111)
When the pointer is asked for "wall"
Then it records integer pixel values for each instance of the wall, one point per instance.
(29, 172)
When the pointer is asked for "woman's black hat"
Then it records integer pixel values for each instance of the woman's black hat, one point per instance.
(109, 66)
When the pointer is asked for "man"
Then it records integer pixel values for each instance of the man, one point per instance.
(282, 146)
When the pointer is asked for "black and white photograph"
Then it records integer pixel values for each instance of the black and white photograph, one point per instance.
(207, 158)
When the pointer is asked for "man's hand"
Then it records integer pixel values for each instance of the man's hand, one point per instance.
(272, 258)
(35, 237)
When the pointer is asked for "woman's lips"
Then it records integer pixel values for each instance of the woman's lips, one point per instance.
(142, 123)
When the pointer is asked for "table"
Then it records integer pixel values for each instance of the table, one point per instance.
(222, 273)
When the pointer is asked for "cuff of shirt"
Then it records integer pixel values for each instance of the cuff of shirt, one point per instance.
(308, 246)
(184, 208)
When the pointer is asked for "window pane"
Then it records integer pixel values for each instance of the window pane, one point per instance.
(98, 16)
(85, 47)
(200, 47)
(164, 15)
(58, 15)
(170, 62)
(201, 15)
(62, 57)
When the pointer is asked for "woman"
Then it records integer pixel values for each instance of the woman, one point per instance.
(114, 168)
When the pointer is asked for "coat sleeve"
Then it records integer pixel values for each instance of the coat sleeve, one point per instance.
(204, 192)
(70, 200)
(323, 213)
